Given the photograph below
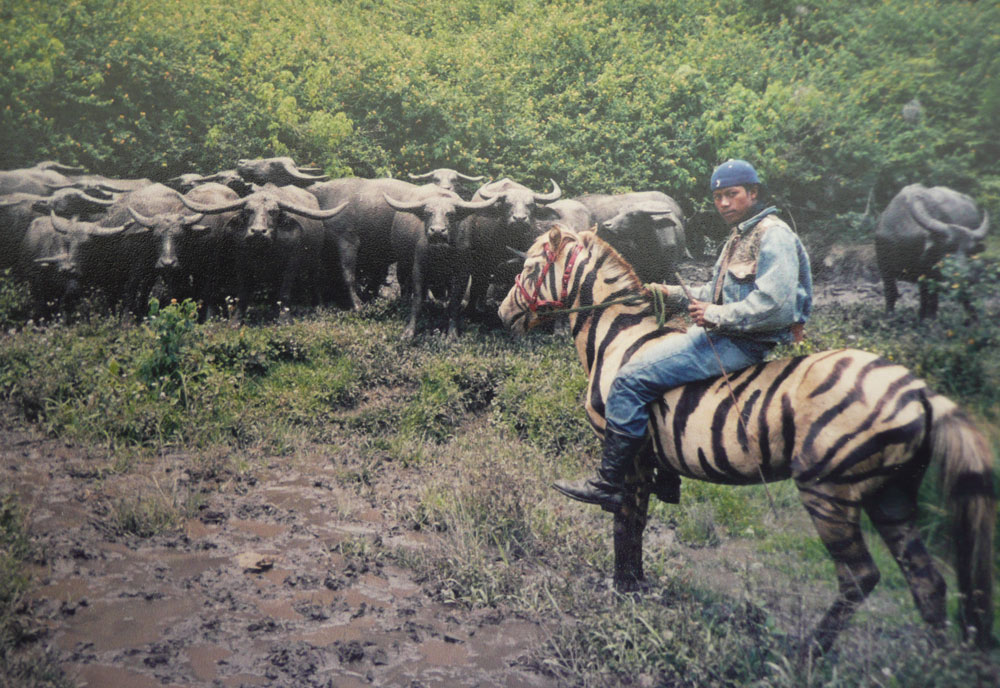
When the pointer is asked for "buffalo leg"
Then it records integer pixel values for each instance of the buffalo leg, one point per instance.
(458, 283)
(347, 249)
(928, 301)
(837, 520)
(891, 293)
(291, 271)
(418, 287)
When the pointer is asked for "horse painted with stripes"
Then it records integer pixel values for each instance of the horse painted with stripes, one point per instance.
(853, 430)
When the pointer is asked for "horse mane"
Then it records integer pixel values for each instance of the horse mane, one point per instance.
(624, 272)
(614, 261)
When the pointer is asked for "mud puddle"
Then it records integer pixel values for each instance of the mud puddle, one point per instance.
(258, 589)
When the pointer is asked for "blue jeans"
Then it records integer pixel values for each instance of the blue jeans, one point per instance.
(669, 363)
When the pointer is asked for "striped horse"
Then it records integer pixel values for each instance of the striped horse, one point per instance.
(853, 430)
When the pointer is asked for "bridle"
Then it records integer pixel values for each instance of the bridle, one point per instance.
(534, 303)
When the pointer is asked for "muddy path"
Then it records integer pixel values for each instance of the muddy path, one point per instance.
(277, 578)
(264, 586)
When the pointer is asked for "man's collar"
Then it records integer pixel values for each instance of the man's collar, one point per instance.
(749, 224)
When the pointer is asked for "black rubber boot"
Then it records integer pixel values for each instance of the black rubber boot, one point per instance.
(608, 488)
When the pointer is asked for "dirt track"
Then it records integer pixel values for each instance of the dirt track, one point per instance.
(255, 591)
(265, 586)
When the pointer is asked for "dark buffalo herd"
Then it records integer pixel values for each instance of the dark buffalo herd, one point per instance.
(273, 231)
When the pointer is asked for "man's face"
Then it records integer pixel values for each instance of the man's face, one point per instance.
(734, 203)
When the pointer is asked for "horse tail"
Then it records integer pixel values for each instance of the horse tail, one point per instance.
(967, 483)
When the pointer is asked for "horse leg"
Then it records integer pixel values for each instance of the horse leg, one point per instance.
(630, 521)
(893, 514)
(837, 520)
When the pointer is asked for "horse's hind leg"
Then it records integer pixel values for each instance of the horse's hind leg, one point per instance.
(837, 520)
(630, 522)
(893, 514)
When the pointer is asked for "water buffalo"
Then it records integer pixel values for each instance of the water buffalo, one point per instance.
(567, 213)
(32, 181)
(167, 244)
(650, 236)
(512, 223)
(59, 259)
(430, 246)
(919, 227)
(278, 171)
(445, 178)
(202, 254)
(278, 238)
(359, 240)
(184, 183)
(19, 209)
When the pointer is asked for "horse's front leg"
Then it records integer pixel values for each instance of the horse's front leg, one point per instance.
(630, 521)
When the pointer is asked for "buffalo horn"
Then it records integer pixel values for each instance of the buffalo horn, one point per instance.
(932, 224)
(147, 222)
(55, 166)
(83, 195)
(312, 213)
(478, 205)
(485, 192)
(191, 221)
(296, 174)
(111, 188)
(468, 178)
(64, 226)
(425, 175)
(213, 210)
(984, 226)
(61, 224)
(411, 207)
(551, 196)
(520, 254)
(96, 230)
(49, 260)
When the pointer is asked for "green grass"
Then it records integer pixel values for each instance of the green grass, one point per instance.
(461, 439)
(21, 663)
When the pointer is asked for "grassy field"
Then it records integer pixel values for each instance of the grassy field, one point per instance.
(476, 429)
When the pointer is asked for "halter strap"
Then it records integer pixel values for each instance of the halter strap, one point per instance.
(534, 303)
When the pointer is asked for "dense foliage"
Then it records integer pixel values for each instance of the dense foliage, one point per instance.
(838, 102)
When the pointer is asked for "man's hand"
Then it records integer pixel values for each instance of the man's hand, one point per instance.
(696, 309)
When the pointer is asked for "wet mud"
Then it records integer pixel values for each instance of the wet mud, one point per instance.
(257, 590)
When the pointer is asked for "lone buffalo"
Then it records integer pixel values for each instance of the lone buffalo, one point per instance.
(919, 227)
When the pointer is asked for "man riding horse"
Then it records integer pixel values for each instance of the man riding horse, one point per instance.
(759, 296)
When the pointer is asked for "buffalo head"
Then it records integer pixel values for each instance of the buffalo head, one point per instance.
(440, 212)
(518, 202)
(75, 234)
(948, 235)
(262, 212)
(69, 202)
(445, 178)
(280, 171)
(168, 228)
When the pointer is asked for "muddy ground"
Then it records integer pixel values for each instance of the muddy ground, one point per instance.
(258, 588)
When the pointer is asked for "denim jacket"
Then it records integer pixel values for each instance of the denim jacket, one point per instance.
(767, 287)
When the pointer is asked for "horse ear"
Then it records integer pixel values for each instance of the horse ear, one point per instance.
(555, 237)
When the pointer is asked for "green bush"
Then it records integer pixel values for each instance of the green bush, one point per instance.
(601, 96)
(15, 305)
